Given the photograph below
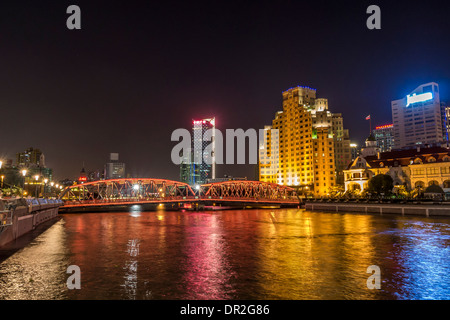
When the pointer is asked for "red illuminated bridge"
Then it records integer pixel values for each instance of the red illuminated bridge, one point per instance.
(154, 194)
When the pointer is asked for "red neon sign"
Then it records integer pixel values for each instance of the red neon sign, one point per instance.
(384, 127)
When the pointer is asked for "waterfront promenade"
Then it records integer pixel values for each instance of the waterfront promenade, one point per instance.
(418, 208)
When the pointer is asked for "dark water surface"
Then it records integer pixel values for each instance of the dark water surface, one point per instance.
(240, 254)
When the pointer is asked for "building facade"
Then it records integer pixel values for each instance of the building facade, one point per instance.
(384, 135)
(415, 168)
(30, 158)
(417, 118)
(199, 164)
(311, 148)
(445, 115)
(114, 169)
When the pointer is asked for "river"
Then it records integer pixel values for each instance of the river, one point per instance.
(288, 254)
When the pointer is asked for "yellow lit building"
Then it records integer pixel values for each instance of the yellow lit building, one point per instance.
(304, 153)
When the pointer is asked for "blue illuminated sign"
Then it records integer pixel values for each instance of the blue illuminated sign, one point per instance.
(414, 98)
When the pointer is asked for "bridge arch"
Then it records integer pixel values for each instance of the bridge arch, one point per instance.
(127, 189)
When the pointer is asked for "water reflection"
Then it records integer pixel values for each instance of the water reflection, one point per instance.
(242, 254)
(206, 270)
(37, 271)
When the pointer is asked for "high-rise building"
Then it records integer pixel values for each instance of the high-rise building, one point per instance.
(418, 117)
(445, 116)
(334, 122)
(30, 158)
(198, 164)
(114, 169)
(384, 135)
(269, 155)
(354, 150)
(311, 143)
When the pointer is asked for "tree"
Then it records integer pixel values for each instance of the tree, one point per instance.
(381, 183)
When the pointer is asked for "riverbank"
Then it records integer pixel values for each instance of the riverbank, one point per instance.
(19, 216)
(382, 208)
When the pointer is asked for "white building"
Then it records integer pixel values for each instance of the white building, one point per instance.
(417, 117)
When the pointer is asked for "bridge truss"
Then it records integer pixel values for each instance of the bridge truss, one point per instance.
(128, 189)
(148, 191)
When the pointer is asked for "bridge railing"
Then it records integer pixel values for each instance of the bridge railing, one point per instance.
(175, 199)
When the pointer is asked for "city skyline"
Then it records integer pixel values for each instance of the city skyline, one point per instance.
(120, 86)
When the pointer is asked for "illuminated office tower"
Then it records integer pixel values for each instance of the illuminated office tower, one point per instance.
(200, 164)
(303, 154)
(417, 117)
(269, 155)
(384, 135)
(294, 125)
(334, 122)
(31, 158)
(114, 169)
(323, 159)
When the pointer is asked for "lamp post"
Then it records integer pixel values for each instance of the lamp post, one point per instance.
(24, 173)
(45, 187)
(3, 177)
(36, 195)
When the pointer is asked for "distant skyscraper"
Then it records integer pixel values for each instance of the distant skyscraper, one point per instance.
(31, 158)
(114, 169)
(198, 165)
(418, 117)
(384, 135)
(354, 150)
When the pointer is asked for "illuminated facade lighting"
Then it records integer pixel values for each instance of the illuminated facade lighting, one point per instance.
(417, 117)
(414, 98)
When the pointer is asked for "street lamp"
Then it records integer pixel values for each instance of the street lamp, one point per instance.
(36, 195)
(3, 177)
(45, 186)
(24, 173)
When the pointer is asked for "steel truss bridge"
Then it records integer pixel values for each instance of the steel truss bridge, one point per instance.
(154, 194)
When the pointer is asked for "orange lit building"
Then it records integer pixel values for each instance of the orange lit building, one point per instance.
(304, 153)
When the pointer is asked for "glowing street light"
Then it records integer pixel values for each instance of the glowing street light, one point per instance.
(36, 195)
(24, 173)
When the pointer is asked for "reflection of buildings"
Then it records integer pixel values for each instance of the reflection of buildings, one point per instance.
(198, 165)
(313, 148)
(114, 169)
(412, 168)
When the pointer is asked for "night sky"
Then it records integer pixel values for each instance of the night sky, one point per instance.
(137, 70)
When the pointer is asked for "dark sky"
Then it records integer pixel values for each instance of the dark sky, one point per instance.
(137, 70)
